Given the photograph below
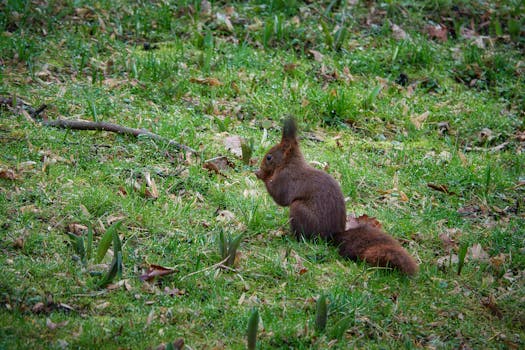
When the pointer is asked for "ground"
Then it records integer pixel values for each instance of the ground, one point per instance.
(117, 241)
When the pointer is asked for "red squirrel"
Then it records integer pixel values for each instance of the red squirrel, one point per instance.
(317, 207)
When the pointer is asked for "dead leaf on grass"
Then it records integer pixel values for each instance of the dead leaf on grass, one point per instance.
(444, 129)
(52, 326)
(8, 174)
(298, 266)
(151, 189)
(438, 31)
(448, 242)
(447, 260)
(205, 8)
(290, 67)
(206, 81)
(316, 55)
(225, 216)
(476, 252)
(440, 188)
(77, 229)
(398, 33)
(31, 208)
(155, 271)
(472, 211)
(418, 120)
(234, 145)
(353, 222)
(174, 292)
(176, 345)
(218, 164)
(498, 261)
(224, 22)
(490, 303)
(485, 135)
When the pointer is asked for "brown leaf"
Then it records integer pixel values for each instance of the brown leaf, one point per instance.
(154, 271)
(31, 208)
(440, 188)
(448, 242)
(471, 211)
(299, 266)
(8, 174)
(316, 55)
(52, 326)
(485, 135)
(490, 304)
(398, 33)
(353, 222)
(206, 81)
(225, 216)
(444, 128)
(445, 260)
(234, 145)
(77, 229)
(290, 67)
(418, 120)
(438, 31)
(218, 164)
(205, 8)
(498, 261)
(151, 190)
(19, 242)
(476, 252)
(173, 292)
(224, 22)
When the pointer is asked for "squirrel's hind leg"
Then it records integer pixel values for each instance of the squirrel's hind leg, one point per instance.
(303, 221)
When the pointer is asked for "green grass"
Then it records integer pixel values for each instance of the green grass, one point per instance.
(87, 61)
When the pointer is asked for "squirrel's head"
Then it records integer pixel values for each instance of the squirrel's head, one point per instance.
(281, 154)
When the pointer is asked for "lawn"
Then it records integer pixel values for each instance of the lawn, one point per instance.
(110, 240)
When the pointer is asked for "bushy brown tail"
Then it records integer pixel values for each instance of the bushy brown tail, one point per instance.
(368, 243)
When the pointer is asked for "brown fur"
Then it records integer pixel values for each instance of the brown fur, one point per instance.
(317, 206)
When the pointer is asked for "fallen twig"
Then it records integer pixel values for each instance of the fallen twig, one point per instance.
(104, 126)
(13, 103)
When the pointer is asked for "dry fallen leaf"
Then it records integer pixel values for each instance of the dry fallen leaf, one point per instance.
(418, 120)
(444, 261)
(205, 8)
(440, 188)
(234, 145)
(52, 326)
(354, 222)
(437, 31)
(316, 55)
(485, 135)
(476, 252)
(173, 292)
(8, 174)
(224, 22)
(398, 33)
(218, 164)
(154, 271)
(299, 266)
(151, 191)
(225, 216)
(448, 242)
(77, 229)
(490, 303)
(206, 81)
(444, 128)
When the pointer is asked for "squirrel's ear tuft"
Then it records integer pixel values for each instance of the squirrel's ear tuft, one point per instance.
(289, 129)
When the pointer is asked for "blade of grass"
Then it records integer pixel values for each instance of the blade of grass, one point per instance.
(105, 241)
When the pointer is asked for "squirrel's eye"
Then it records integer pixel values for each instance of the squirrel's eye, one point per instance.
(268, 157)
